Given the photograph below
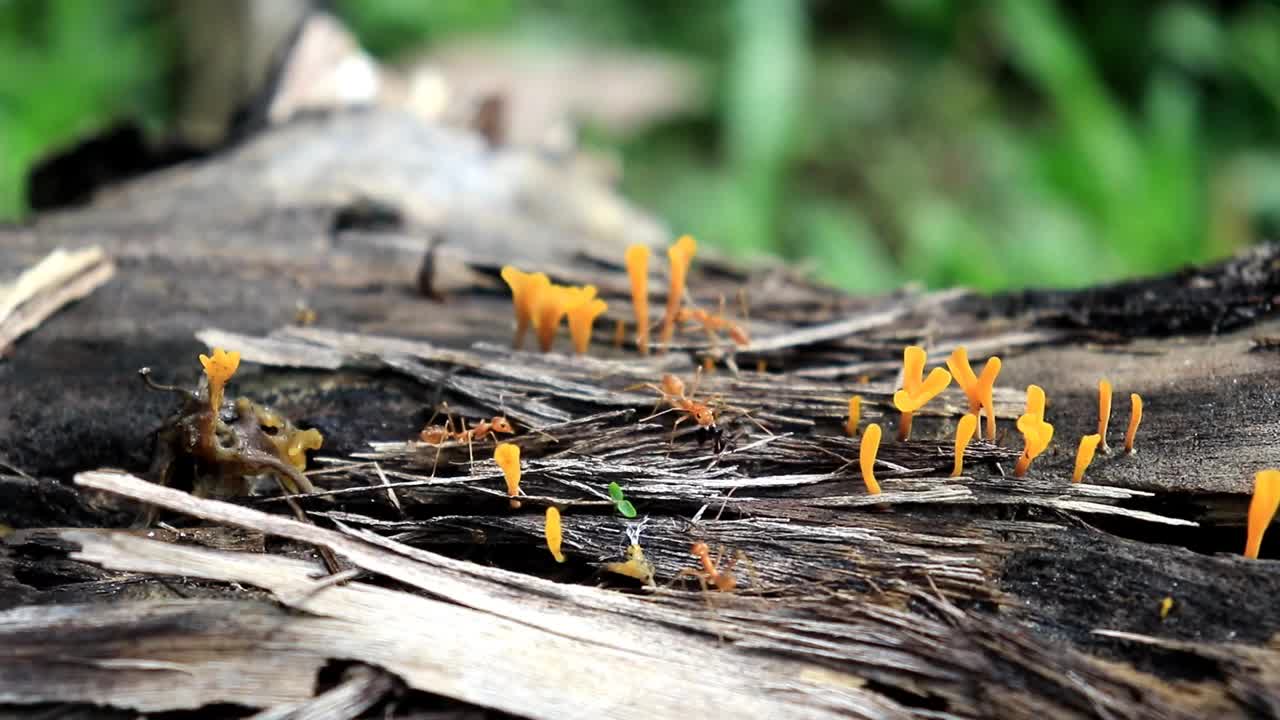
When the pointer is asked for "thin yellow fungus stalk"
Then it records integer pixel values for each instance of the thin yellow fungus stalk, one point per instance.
(554, 533)
(1166, 607)
(1135, 419)
(508, 458)
(958, 364)
(855, 416)
(547, 314)
(219, 370)
(987, 385)
(637, 259)
(867, 450)
(525, 291)
(1104, 412)
(915, 392)
(582, 317)
(680, 255)
(965, 429)
(1262, 509)
(1036, 433)
(1084, 455)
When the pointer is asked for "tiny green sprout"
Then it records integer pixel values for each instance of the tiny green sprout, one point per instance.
(620, 501)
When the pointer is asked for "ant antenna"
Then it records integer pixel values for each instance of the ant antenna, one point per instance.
(145, 374)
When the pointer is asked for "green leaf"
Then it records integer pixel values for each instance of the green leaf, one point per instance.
(627, 509)
(615, 492)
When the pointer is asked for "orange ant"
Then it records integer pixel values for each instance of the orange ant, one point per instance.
(715, 323)
(438, 435)
(714, 573)
(673, 394)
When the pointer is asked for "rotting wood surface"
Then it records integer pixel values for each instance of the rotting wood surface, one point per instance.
(978, 596)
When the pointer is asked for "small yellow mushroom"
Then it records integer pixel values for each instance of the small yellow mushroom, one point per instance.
(554, 533)
(1262, 509)
(680, 255)
(582, 316)
(526, 288)
(977, 388)
(1104, 412)
(637, 566)
(1036, 433)
(855, 416)
(1166, 606)
(1135, 419)
(1084, 455)
(508, 458)
(867, 450)
(637, 259)
(965, 429)
(916, 392)
(219, 370)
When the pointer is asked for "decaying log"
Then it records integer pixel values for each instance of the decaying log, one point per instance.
(982, 595)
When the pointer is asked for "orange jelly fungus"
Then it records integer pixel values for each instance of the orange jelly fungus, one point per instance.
(1262, 509)
(680, 255)
(916, 392)
(1135, 419)
(1084, 455)
(582, 316)
(219, 370)
(855, 416)
(526, 288)
(965, 429)
(867, 450)
(1104, 412)
(977, 388)
(1036, 433)
(637, 259)
(508, 458)
(554, 533)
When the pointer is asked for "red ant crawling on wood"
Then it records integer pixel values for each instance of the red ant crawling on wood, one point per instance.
(716, 573)
(438, 435)
(672, 393)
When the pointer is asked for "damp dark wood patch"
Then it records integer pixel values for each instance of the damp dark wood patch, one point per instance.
(977, 596)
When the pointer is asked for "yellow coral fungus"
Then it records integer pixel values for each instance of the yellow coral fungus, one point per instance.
(637, 259)
(582, 316)
(1135, 419)
(1104, 412)
(219, 370)
(552, 305)
(916, 392)
(554, 533)
(965, 429)
(1166, 607)
(855, 416)
(526, 288)
(680, 256)
(977, 388)
(299, 443)
(508, 458)
(1262, 509)
(1036, 433)
(867, 450)
(1084, 455)
(637, 566)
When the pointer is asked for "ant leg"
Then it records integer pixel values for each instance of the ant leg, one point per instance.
(751, 569)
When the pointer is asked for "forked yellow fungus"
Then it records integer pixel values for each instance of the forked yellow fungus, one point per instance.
(548, 311)
(219, 370)
(1084, 455)
(965, 429)
(508, 458)
(867, 450)
(979, 389)
(554, 533)
(1036, 433)
(526, 288)
(916, 392)
(1104, 413)
(582, 316)
(637, 259)
(680, 256)
(1262, 509)
(1135, 419)
(855, 416)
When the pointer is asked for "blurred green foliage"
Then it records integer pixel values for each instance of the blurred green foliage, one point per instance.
(992, 144)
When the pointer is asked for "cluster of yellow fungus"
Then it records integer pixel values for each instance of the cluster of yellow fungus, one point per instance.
(979, 389)
(867, 450)
(219, 370)
(554, 533)
(855, 416)
(1036, 433)
(507, 456)
(1262, 509)
(965, 429)
(680, 256)
(543, 304)
(916, 389)
(1084, 455)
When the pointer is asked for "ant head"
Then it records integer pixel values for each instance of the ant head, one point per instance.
(502, 425)
(699, 549)
(704, 417)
